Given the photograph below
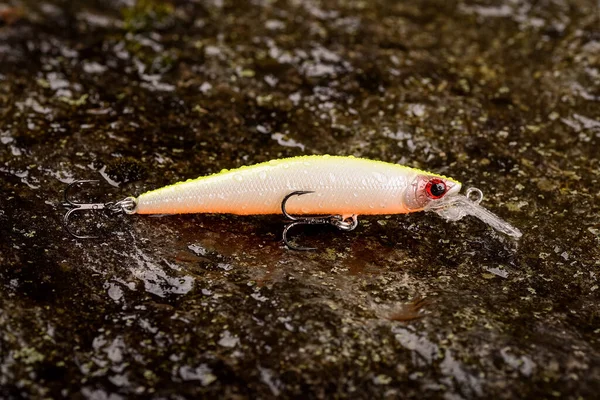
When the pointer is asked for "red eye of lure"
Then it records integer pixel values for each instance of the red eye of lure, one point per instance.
(435, 188)
(334, 190)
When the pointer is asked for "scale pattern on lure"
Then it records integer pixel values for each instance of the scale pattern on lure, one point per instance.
(339, 187)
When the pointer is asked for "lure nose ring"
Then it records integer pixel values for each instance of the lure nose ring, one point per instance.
(478, 195)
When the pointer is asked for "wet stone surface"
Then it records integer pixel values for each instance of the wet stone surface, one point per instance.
(504, 96)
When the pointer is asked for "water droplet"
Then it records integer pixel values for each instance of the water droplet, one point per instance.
(306, 163)
(223, 171)
(262, 175)
(273, 162)
(286, 165)
(238, 177)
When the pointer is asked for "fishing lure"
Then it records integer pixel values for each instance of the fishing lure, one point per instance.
(309, 190)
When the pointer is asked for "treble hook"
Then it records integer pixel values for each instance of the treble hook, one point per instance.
(338, 221)
(127, 206)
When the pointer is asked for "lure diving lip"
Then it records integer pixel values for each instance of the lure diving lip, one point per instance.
(324, 189)
(456, 207)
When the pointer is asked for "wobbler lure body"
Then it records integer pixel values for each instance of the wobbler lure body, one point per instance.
(340, 187)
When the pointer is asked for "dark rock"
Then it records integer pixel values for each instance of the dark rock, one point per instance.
(504, 97)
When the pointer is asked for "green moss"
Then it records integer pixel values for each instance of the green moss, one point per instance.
(75, 102)
(29, 355)
(147, 14)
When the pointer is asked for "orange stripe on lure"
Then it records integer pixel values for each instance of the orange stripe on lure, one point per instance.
(339, 187)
